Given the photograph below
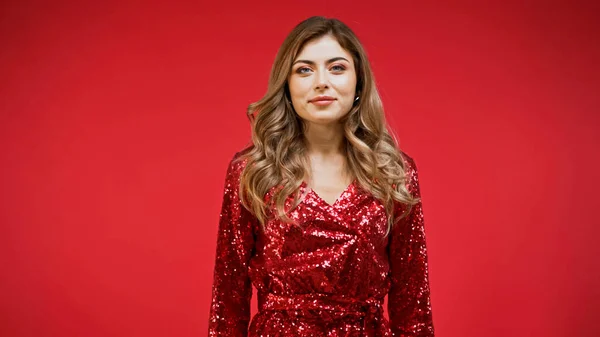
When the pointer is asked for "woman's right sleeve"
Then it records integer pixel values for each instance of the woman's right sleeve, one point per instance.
(232, 289)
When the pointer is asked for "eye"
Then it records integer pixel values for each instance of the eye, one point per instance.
(301, 70)
(338, 67)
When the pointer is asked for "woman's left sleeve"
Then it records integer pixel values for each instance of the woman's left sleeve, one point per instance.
(409, 305)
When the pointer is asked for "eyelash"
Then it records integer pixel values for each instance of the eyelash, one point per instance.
(299, 70)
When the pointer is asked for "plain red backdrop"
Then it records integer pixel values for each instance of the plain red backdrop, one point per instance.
(118, 119)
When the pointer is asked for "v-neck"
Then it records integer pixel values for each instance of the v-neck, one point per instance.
(318, 197)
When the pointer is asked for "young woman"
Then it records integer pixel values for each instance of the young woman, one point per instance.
(322, 211)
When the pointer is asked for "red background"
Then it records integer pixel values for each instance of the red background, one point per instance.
(118, 119)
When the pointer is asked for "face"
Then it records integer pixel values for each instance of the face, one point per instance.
(322, 82)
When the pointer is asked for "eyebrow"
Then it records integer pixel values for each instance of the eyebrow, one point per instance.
(326, 62)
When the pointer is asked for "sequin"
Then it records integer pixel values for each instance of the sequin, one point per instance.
(328, 278)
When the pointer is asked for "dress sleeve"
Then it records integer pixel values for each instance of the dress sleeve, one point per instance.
(232, 289)
(409, 306)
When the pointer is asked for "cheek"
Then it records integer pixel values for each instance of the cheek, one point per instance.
(346, 85)
(298, 87)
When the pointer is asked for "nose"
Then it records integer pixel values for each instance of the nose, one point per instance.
(321, 80)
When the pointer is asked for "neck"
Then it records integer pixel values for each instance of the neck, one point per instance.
(324, 140)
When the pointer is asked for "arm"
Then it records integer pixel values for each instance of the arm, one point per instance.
(409, 305)
(232, 289)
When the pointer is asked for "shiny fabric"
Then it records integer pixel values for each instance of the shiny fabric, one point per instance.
(328, 278)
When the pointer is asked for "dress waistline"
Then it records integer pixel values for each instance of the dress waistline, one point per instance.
(371, 309)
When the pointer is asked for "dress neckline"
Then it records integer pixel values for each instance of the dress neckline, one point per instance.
(318, 197)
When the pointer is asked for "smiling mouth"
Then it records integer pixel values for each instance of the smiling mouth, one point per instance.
(322, 102)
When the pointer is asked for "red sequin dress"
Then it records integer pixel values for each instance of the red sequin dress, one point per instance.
(327, 279)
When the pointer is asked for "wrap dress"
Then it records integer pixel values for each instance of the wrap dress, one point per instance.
(328, 277)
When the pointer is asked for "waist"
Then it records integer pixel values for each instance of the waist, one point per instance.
(326, 308)
(326, 302)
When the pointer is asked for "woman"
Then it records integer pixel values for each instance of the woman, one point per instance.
(321, 213)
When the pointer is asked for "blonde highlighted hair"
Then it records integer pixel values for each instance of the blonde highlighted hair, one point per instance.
(277, 155)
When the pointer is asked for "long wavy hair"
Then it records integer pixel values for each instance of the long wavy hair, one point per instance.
(277, 155)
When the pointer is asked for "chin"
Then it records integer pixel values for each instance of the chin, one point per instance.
(325, 119)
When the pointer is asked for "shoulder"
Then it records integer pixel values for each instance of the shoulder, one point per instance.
(408, 163)
(237, 163)
(411, 173)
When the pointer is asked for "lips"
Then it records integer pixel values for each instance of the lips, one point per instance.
(322, 99)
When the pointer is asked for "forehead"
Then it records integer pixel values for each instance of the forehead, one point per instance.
(322, 48)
